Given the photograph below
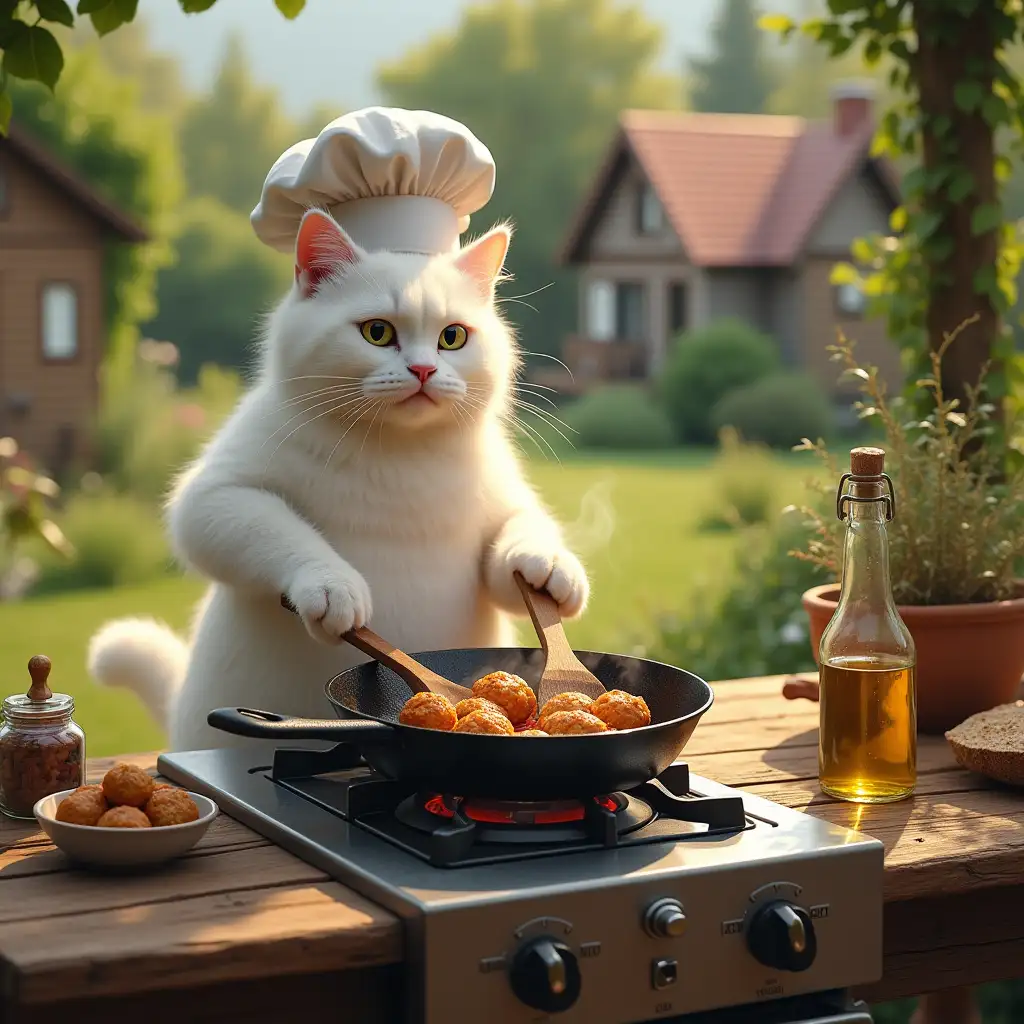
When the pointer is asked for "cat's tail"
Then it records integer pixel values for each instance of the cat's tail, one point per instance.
(144, 656)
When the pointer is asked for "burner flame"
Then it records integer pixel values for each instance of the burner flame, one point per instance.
(499, 813)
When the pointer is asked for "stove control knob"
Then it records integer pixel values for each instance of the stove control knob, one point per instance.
(665, 919)
(781, 936)
(545, 975)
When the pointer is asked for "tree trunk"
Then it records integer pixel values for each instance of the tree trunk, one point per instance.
(952, 49)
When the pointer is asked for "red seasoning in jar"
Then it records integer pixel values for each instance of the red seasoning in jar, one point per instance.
(42, 749)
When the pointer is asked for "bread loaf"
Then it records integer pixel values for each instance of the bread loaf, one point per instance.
(992, 743)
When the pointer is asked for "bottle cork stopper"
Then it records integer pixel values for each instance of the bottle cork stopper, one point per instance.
(867, 461)
(39, 669)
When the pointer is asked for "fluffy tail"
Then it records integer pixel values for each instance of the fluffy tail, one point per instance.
(144, 656)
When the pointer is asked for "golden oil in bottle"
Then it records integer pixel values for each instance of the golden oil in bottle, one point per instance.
(867, 741)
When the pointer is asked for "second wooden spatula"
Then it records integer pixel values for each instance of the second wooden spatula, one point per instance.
(563, 671)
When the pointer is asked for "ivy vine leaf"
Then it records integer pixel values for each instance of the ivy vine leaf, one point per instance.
(6, 107)
(56, 10)
(32, 53)
(196, 6)
(107, 15)
(986, 217)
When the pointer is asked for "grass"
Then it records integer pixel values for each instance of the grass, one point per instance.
(636, 523)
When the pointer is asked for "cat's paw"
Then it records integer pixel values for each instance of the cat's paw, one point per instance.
(558, 571)
(330, 602)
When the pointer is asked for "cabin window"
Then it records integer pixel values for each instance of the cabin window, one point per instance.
(650, 213)
(601, 311)
(677, 319)
(629, 311)
(850, 299)
(60, 321)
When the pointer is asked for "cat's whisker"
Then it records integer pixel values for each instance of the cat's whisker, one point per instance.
(326, 412)
(554, 359)
(549, 423)
(376, 411)
(338, 391)
(534, 433)
(530, 384)
(543, 413)
(542, 398)
(362, 411)
(302, 412)
(315, 376)
(526, 295)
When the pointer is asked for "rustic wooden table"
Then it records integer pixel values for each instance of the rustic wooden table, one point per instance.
(239, 930)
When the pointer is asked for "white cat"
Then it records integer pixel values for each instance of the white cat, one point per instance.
(368, 476)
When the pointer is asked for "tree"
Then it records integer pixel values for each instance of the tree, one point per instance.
(32, 52)
(231, 137)
(224, 280)
(542, 83)
(955, 260)
(736, 78)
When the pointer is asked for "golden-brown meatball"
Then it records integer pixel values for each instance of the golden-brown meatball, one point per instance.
(621, 710)
(512, 694)
(124, 817)
(486, 721)
(468, 705)
(83, 807)
(429, 711)
(171, 807)
(567, 723)
(126, 784)
(569, 701)
(532, 732)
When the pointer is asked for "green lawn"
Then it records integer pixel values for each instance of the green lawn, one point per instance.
(635, 522)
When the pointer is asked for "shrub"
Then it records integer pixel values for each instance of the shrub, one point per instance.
(778, 410)
(117, 541)
(742, 482)
(705, 365)
(622, 417)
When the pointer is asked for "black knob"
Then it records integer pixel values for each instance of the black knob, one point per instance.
(545, 975)
(782, 936)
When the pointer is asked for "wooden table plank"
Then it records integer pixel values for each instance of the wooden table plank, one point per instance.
(238, 908)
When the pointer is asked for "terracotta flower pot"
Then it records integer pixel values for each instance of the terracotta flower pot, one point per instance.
(970, 657)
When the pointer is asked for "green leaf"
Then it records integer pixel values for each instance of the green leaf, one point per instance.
(55, 10)
(88, 6)
(986, 217)
(111, 15)
(898, 219)
(961, 186)
(196, 6)
(782, 24)
(35, 55)
(968, 95)
(290, 8)
(844, 273)
(5, 111)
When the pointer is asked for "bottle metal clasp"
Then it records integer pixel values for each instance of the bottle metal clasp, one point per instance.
(842, 499)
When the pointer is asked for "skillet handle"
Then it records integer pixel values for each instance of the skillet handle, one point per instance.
(267, 725)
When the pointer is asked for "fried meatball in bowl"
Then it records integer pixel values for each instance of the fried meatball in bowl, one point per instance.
(124, 817)
(171, 807)
(511, 693)
(621, 710)
(429, 711)
(571, 700)
(571, 723)
(468, 705)
(85, 806)
(486, 722)
(128, 785)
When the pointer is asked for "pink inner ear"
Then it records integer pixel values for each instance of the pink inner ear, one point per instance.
(484, 259)
(321, 250)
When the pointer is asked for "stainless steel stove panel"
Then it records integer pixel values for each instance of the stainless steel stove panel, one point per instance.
(465, 925)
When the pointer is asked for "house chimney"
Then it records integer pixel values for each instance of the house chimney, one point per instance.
(852, 105)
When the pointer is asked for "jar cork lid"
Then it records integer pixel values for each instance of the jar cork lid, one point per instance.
(867, 461)
(40, 703)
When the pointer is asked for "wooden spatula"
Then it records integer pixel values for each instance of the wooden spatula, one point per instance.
(416, 676)
(563, 671)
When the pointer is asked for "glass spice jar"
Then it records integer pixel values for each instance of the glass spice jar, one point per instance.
(42, 749)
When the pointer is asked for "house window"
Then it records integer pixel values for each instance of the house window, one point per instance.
(629, 311)
(650, 213)
(600, 311)
(677, 321)
(850, 299)
(60, 321)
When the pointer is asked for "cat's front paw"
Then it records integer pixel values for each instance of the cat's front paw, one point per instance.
(330, 602)
(558, 571)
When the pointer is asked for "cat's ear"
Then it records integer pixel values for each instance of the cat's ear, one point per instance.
(322, 250)
(484, 259)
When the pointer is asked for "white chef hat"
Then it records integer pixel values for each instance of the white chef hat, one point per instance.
(401, 180)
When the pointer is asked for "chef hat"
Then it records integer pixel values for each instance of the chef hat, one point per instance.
(401, 180)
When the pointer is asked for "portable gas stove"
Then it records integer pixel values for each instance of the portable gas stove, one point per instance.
(682, 898)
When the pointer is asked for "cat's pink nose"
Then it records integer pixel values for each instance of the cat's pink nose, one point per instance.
(422, 371)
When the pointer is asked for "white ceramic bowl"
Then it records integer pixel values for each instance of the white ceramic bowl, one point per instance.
(122, 847)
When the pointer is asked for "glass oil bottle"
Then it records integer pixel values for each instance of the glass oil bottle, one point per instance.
(867, 746)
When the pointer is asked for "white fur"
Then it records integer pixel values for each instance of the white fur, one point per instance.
(357, 505)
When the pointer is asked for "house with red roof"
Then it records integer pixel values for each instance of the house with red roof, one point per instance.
(693, 217)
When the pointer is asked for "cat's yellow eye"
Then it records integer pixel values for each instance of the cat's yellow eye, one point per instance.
(378, 332)
(452, 337)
